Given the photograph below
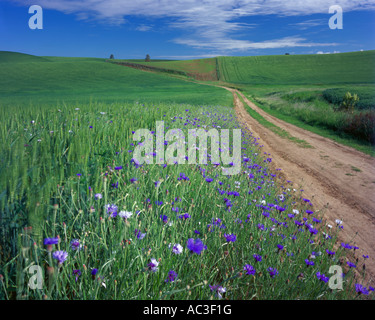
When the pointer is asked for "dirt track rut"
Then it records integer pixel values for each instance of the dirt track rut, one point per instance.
(337, 179)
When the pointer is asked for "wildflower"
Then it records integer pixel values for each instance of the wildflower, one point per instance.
(118, 168)
(346, 246)
(94, 271)
(177, 249)
(125, 214)
(111, 210)
(280, 247)
(249, 269)
(309, 263)
(164, 218)
(139, 234)
(98, 196)
(51, 241)
(184, 216)
(61, 256)
(273, 272)
(172, 276)
(351, 265)
(322, 277)
(77, 273)
(219, 290)
(257, 257)
(153, 265)
(133, 180)
(195, 246)
(75, 245)
(330, 253)
(361, 289)
(309, 212)
(208, 179)
(230, 237)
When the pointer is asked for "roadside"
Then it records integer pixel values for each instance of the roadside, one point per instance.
(339, 180)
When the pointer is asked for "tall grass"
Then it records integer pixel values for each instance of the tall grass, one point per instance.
(55, 161)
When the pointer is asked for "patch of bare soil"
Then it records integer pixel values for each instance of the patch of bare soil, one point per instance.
(339, 180)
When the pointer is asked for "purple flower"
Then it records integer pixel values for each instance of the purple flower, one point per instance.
(75, 245)
(177, 249)
(230, 237)
(133, 180)
(208, 179)
(50, 241)
(118, 168)
(61, 256)
(346, 246)
(351, 265)
(361, 289)
(184, 216)
(322, 277)
(111, 210)
(309, 212)
(164, 218)
(195, 246)
(139, 234)
(249, 269)
(98, 196)
(309, 263)
(273, 272)
(218, 290)
(94, 271)
(172, 276)
(77, 272)
(257, 257)
(153, 265)
(280, 247)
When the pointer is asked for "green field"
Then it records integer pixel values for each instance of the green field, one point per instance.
(27, 79)
(342, 68)
(75, 201)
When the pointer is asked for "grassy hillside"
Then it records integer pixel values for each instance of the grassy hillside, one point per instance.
(15, 57)
(55, 80)
(341, 68)
(202, 69)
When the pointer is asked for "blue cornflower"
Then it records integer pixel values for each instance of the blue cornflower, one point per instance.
(257, 257)
(361, 289)
(230, 237)
(249, 269)
(273, 272)
(139, 234)
(111, 210)
(322, 277)
(75, 245)
(351, 264)
(184, 216)
(195, 246)
(50, 241)
(164, 218)
(309, 263)
(61, 256)
(172, 276)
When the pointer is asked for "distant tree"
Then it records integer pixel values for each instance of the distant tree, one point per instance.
(148, 59)
(112, 56)
(287, 54)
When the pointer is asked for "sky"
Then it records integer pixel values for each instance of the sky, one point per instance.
(186, 29)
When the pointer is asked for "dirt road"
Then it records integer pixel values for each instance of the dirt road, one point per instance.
(333, 176)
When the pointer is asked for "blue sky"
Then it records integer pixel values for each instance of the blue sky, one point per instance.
(185, 29)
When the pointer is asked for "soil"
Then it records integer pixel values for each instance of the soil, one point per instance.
(339, 180)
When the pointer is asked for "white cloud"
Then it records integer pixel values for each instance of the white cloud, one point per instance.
(210, 24)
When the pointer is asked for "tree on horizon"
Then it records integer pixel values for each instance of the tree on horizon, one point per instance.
(148, 58)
